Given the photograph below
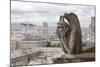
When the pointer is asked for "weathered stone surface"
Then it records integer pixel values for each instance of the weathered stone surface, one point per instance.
(69, 32)
(88, 54)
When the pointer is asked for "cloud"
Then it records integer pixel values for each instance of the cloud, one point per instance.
(36, 13)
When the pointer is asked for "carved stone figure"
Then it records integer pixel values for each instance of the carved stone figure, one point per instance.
(69, 32)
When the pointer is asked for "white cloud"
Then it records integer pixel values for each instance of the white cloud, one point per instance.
(38, 12)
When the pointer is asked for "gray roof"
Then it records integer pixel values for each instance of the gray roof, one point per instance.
(20, 53)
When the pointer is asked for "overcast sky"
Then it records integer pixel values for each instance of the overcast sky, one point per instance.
(37, 13)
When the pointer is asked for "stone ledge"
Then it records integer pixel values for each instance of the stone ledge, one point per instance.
(81, 55)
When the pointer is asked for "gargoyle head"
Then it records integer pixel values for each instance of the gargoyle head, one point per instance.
(63, 26)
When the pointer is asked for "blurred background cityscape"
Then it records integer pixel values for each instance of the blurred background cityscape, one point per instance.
(27, 39)
(33, 43)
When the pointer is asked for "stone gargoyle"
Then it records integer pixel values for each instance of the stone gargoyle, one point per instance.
(69, 33)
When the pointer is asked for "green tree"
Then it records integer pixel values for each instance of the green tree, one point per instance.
(49, 44)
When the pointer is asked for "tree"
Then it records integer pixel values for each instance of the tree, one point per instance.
(49, 44)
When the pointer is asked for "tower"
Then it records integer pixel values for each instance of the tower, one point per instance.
(92, 25)
(45, 30)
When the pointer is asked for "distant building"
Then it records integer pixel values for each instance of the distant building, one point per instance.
(40, 55)
(18, 36)
(23, 57)
(92, 19)
(92, 25)
(33, 42)
(14, 44)
(45, 30)
(56, 42)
